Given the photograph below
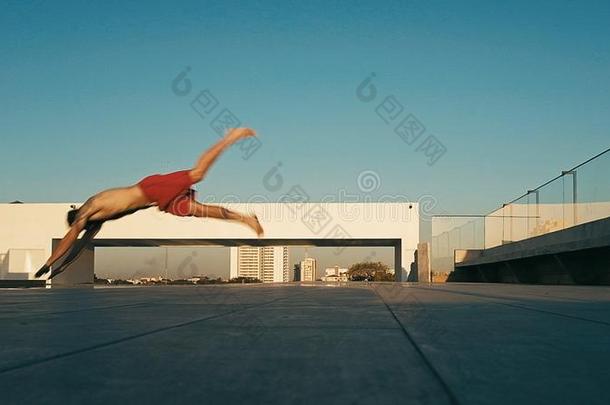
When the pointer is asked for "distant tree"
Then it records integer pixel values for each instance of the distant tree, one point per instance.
(97, 280)
(245, 280)
(370, 271)
(297, 272)
(384, 276)
(179, 282)
(207, 280)
(120, 282)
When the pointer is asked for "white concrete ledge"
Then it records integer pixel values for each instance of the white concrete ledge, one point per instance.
(36, 226)
(591, 235)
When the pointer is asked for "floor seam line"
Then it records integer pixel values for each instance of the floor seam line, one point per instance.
(75, 311)
(526, 308)
(126, 339)
(559, 314)
(452, 398)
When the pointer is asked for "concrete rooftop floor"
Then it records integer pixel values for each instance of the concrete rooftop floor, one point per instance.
(281, 344)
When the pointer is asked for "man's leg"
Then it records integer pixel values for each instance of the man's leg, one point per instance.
(211, 155)
(92, 229)
(211, 211)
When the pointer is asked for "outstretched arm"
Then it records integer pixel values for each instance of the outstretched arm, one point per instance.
(92, 229)
(65, 244)
(211, 155)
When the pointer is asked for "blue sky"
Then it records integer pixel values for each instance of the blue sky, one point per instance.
(516, 91)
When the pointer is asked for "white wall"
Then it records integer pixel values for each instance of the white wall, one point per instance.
(3, 265)
(33, 226)
(21, 264)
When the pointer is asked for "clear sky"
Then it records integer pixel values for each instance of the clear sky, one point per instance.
(516, 91)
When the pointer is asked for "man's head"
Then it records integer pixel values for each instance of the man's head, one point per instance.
(90, 225)
(71, 217)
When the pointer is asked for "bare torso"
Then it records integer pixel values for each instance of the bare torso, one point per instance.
(116, 201)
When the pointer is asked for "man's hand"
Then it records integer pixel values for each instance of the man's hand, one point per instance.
(236, 134)
(43, 270)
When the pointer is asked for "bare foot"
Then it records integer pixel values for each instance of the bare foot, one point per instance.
(252, 222)
(236, 134)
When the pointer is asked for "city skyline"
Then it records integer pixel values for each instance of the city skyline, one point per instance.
(185, 262)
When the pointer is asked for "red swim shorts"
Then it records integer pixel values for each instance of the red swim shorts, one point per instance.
(172, 192)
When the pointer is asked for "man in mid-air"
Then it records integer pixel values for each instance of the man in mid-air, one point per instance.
(171, 193)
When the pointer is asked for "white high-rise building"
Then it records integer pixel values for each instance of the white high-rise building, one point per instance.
(270, 264)
(308, 269)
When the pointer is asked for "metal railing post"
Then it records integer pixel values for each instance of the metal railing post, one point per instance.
(574, 193)
(537, 192)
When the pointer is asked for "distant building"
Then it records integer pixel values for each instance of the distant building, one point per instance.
(308, 269)
(335, 273)
(150, 280)
(297, 272)
(270, 264)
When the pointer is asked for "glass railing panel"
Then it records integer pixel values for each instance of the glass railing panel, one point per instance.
(516, 225)
(551, 208)
(453, 233)
(577, 196)
(494, 224)
(592, 190)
